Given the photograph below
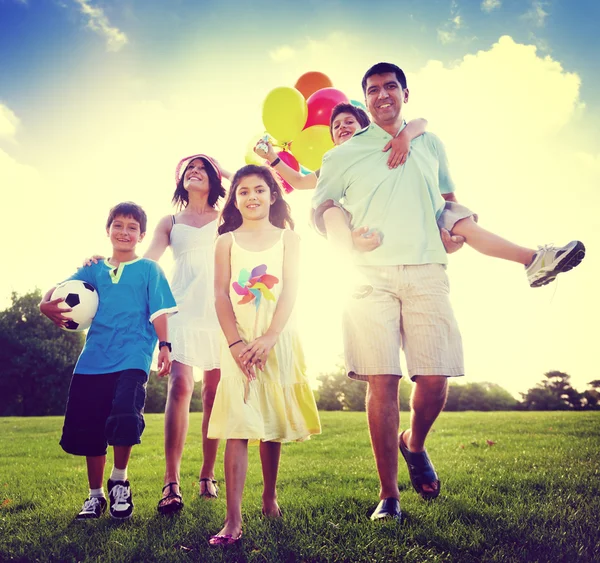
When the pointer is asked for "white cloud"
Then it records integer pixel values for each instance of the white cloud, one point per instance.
(489, 5)
(536, 14)
(9, 122)
(447, 33)
(283, 53)
(98, 22)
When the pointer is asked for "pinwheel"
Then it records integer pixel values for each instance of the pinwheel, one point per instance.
(255, 285)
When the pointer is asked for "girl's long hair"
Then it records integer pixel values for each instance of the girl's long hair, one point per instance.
(279, 213)
(215, 188)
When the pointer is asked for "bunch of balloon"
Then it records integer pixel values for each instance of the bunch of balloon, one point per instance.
(315, 139)
(299, 118)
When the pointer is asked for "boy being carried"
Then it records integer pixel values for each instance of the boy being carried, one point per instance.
(108, 389)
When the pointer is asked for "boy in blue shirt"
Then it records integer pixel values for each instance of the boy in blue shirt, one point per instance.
(108, 388)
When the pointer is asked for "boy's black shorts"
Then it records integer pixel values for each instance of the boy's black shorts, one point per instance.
(104, 409)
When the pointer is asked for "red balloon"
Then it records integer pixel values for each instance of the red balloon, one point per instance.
(320, 105)
(290, 160)
(310, 82)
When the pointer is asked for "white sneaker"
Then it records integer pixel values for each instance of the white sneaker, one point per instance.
(93, 507)
(549, 261)
(121, 499)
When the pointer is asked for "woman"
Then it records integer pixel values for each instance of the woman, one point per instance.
(195, 332)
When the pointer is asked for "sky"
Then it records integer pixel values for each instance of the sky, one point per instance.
(99, 99)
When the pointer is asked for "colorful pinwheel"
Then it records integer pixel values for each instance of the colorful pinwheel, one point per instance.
(254, 285)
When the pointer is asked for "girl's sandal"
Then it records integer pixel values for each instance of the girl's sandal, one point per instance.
(208, 485)
(168, 506)
(224, 540)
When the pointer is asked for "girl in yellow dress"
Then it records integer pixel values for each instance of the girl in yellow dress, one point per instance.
(264, 394)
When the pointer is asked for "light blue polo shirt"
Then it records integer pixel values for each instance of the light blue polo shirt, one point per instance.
(130, 298)
(403, 203)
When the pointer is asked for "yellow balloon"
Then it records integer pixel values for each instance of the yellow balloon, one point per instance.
(310, 146)
(250, 157)
(284, 113)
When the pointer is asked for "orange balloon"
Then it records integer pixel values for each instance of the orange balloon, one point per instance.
(310, 82)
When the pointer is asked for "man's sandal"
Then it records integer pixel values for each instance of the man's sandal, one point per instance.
(421, 471)
(172, 502)
(208, 485)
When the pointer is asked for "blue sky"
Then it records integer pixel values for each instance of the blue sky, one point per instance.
(100, 98)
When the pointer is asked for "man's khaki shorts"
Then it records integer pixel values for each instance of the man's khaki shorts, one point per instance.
(404, 307)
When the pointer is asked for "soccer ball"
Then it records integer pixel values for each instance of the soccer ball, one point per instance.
(82, 298)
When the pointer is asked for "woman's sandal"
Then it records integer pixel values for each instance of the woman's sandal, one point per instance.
(168, 506)
(207, 493)
(421, 471)
(223, 540)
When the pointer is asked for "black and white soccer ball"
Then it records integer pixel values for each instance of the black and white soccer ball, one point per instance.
(80, 296)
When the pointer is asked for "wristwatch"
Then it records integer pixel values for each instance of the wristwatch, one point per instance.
(164, 343)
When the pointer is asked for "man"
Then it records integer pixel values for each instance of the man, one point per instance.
(405, 302)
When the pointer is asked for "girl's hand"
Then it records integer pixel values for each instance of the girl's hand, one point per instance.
(365, 240)
(264, 149)
(247, 369)
(95, 258)
(55, 313)
(400, 146)
(164, 362)
(257, 351)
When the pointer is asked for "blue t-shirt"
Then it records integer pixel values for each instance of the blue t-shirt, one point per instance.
(131, 296)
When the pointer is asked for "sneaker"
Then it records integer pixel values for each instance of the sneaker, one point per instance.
(121, 502)
(93, 507)
(549, 261)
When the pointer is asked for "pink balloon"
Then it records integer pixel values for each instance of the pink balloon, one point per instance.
(321, 103)
(290, 160)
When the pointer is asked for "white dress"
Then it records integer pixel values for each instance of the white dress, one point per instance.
(194, 332)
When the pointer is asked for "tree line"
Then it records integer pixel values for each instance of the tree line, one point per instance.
(37, 360)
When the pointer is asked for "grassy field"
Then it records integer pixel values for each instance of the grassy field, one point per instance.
(533, 495)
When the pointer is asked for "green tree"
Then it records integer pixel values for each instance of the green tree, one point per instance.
(553, 393)
(36, 360)
(591, 397)
(338, 392)
(479, 396)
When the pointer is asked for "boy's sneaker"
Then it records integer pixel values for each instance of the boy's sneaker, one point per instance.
(121, 501)
(93, 507)
(549, 261)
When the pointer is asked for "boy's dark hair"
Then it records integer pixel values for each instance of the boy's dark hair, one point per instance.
(279, 213)
(128, 209)
(359, 113)
(215, 188)
(383, 68)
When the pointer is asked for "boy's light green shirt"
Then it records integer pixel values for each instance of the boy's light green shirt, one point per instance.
(403, 203)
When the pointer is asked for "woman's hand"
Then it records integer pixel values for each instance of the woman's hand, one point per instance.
(400, 147)
(365, 240)
(94, 259)
(257, 351)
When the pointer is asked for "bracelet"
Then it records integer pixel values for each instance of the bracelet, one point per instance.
(275, 162)
(236, 342)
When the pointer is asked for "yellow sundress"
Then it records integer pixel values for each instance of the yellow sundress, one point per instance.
(280, 405)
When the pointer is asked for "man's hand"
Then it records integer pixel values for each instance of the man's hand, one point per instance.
(365, 241)
(164, 362)
(452, 243)
(55, 313)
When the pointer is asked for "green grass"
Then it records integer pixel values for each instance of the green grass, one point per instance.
(532, 496)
